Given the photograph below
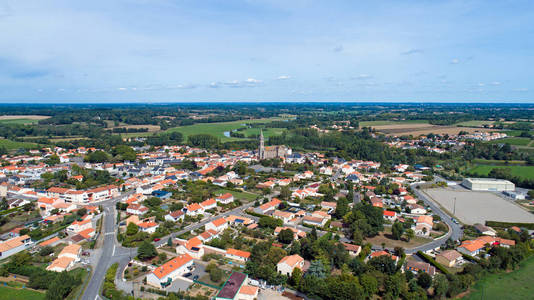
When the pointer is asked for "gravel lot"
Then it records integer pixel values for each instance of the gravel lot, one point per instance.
(478, 207)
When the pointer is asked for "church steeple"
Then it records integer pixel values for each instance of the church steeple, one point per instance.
(261, 152)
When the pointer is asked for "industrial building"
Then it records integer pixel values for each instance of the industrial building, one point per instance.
(488, 184)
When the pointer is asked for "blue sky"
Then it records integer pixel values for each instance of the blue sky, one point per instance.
(172, 51)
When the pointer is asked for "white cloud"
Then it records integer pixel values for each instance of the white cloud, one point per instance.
(283, 77)
(122, 89)
(338, 48)
(362, 77)
(455, 61)
(252, 80)
(521, 90)
(496, 83)
(412, 51)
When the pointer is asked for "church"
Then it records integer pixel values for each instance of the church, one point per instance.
(279, 151)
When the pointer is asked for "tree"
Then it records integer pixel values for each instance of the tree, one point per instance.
(397, 230)
(285, 193)
(169, 242)
(286, 236)
(4, 205)
(316, 269)
(132, 229)
(53, 160)
(369, 284)
(384, 264)
(342, 207)
(46, 250)
(409, 234)
(424, 280)
(296, 277)
(441, 285)
(124, 152)
(216, 274)
(97, 157)
(146, 250)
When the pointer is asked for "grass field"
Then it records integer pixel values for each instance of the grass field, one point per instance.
(19, 121)
(267, 132)
(515, 141)
(239, 195)
(11, 145)
(8, 293)
(513, 285)
(521, 171)
(218, 129)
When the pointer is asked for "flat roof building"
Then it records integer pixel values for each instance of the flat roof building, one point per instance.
(488, 184)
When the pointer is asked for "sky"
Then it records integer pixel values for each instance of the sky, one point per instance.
(280, 50)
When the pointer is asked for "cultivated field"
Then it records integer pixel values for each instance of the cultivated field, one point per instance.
(514, 285)
(8, 293)
(151, 128)
(515, 141)
(10, 145)
(478, 207)
(417, 129)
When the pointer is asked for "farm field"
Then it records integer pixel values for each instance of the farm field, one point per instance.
(385, 122)
(520, 171)
(475, 123)
(267, 132)
(505, 285)
(218, 129)
(11, 145)
(423, 129)
(8, 293)
(477, 207)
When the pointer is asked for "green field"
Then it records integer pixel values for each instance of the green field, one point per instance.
(218, 129)
(239, 195)
(12, 145)
(19, 121)
(385, 122)
(514, 285)
(515, 141)
(7, 293)
(521, 171)
(267, 132)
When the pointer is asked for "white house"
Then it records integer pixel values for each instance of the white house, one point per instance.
(288, 263)
(169, 271)
(14, 246)
(217, 225)
(225, 198)
(175, 216)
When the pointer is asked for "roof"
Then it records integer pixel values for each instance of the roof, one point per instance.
(71, 249)
(219, 222)
(172, 265)
(13, 243)
(60, 262)
(450, 255)
(389, 213)
(49, 242)
(240, 253)
(291, 260)
(249, 290)
(193, 242)
(225, 196)
(351, 247)
(232, 285)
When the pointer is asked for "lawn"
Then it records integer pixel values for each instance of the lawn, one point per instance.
(521, 171)
(515, 141)
(239, 195)
(513, 285)
(218, 129)
(7, 293)
(12, 145)
(386, 238)
(267, 132)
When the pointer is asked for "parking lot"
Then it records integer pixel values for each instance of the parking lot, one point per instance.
(477, 207)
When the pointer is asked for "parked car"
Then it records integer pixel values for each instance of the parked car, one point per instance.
(157, 239)
(187, 274)
(195, 277)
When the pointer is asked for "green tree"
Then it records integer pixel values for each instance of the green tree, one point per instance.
(342, 207)
(397, 230)
(132, 229)
(286, 236)
(285, 193)
(409, 234)
(146, 250)
(369, 284)
(296, 277)
(424, 280)
(98, 156)
(441, 285)
(53, 160)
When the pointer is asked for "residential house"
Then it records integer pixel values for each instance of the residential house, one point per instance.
(226, 198)
(286, 265)
(163, 275)
(14, 245)
(449, 258)
(217, 225)
(419, 266)
(175, 216)
(238, 255)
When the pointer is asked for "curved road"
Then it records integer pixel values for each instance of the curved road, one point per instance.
(455, 230)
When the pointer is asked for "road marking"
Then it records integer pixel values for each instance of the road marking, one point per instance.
(108, 233)
(113, 254)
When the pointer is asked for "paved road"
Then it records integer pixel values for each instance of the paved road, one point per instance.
(455, 231)
(111, 251)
